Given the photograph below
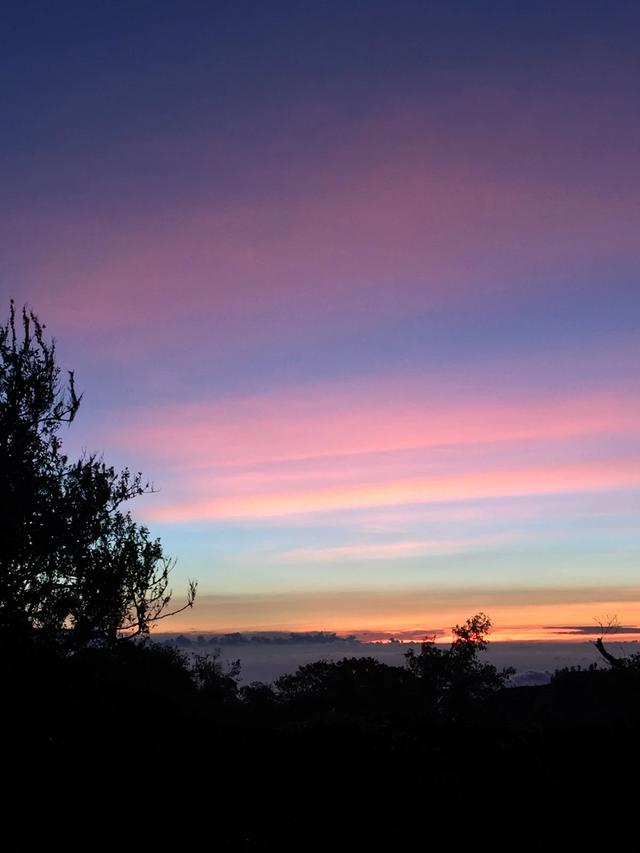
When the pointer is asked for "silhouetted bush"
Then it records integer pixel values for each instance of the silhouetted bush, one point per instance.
(356, 687)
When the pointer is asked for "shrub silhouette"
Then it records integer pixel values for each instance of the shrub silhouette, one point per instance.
(355, 686)
(215, 681)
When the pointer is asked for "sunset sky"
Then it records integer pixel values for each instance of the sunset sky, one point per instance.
(356, 285)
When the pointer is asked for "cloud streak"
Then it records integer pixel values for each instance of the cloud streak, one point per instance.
(517, 613)
(373, 416)
(383, 443)
(394, 550)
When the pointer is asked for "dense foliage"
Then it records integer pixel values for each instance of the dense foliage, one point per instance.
(348, 755)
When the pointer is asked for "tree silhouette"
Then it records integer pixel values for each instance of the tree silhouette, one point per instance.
(74, 566)
(346, 683)
(455, 677)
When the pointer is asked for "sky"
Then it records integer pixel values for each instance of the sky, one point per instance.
(355, 284)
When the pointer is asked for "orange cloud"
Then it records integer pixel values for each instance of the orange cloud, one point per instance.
(516, 613)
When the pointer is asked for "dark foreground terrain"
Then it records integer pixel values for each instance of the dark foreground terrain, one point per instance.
(134, 748)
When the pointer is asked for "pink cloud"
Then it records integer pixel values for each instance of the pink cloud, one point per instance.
(383, 442)
(354, 420)
(411, 224)
(458, 487)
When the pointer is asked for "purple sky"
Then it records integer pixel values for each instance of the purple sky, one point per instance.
(356, 284)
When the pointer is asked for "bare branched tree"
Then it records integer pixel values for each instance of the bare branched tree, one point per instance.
(608, 625)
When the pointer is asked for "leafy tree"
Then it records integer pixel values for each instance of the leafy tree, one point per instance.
(453, 678)
(74, 566)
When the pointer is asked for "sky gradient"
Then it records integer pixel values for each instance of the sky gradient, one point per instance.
(356, 285)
